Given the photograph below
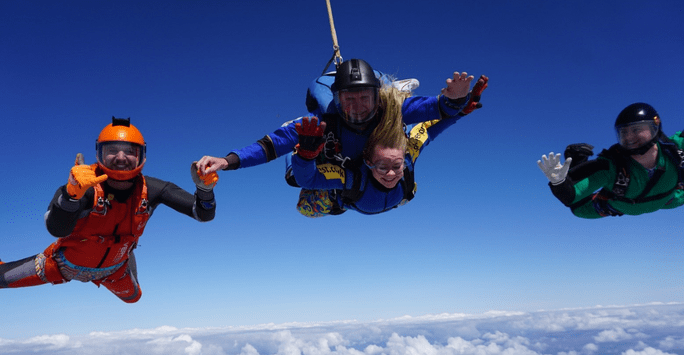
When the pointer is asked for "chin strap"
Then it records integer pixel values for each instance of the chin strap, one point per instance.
(638, 151)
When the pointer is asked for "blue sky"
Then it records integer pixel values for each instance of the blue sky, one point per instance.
(201, 78)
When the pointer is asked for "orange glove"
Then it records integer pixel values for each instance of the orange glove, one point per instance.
(203, 182)
(81, 178)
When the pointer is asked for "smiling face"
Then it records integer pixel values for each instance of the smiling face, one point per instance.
(636, 135)
(387, 166)
(358, 106)
(121, 156)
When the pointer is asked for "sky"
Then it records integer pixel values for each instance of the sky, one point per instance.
(483, 234)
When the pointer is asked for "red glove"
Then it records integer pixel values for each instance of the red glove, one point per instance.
(310, 137)
(474, 102)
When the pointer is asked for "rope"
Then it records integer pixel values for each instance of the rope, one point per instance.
(337, 57)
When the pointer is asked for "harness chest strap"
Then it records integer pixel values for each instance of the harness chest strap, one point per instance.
(416, 139)
(600, 199)
(622, 177)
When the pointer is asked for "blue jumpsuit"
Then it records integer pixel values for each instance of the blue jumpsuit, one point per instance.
(375, 197)
(282, 141)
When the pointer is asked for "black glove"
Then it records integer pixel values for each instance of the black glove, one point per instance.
(579, 152)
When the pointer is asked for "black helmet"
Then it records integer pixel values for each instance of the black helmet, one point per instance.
(635, 118)
(356, 75)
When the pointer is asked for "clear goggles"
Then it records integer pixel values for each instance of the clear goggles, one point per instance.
(626, 132)
(384, 167)
(356, 99)
(110, 151)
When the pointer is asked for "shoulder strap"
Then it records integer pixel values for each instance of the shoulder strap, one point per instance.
(333, 145)
(355, 186)
(409, 184)
(622, 179)
(355, 190)
(621, 170)
(330, 120)
(100, 203)
(142, 207)
(675, 155)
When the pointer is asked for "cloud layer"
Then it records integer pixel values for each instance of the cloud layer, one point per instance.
(654, 329)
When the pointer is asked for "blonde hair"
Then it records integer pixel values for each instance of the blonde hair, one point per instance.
(390, 130)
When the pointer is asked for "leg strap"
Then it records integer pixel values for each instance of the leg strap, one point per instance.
(47, 268)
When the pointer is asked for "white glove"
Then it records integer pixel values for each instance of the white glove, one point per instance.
(552, 168)
(203, 182)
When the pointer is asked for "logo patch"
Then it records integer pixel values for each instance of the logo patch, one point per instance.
(331, 171)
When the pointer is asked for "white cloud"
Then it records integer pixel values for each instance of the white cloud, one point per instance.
(612, 335)
(51, 341)
(291, 345)
(174, 345)
(565, 332)
(249, 350)
(42, 343)
(590, 348)
(647, 351)
(672, 342)
(498, 343)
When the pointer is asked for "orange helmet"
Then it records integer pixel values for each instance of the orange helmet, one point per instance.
(121, 150)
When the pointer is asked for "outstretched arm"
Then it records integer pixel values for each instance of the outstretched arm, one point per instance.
(200, 206)
(272, 146)
(209, 164)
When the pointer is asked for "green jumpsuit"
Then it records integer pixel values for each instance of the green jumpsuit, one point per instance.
(580, 189)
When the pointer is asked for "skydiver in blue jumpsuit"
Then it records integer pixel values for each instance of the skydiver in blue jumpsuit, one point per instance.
(385, 180)
(349, 126)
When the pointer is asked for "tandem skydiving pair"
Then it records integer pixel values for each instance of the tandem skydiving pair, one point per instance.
(356, 148)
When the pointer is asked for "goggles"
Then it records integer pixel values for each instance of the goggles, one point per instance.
(132, 152)
(634, 129)
(383, 167)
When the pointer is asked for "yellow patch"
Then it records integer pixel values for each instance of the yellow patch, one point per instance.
(417, 138)
(331, 171)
